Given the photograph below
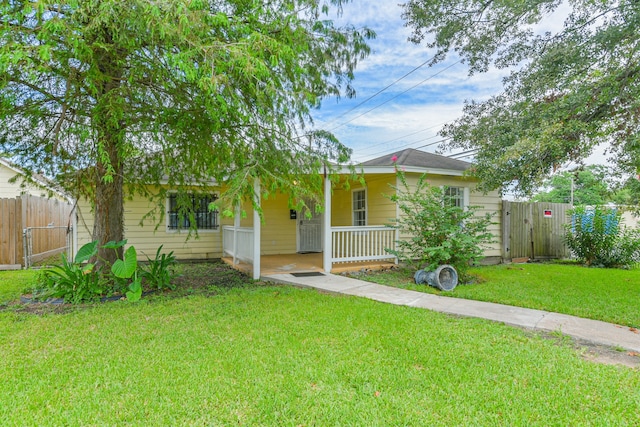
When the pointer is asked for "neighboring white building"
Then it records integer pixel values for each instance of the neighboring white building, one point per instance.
(10, 190)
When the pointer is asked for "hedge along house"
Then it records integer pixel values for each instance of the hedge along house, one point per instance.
(352, 229)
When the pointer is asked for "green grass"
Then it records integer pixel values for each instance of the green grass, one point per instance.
(269, 356)
(610, 295)
(14, 282)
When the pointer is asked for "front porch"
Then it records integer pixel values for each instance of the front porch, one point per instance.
(325, 237)
(305, 263)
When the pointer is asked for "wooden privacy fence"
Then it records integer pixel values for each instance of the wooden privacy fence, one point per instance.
(31, 229)
(534, 230)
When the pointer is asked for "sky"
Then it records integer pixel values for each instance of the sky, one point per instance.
(410, 113)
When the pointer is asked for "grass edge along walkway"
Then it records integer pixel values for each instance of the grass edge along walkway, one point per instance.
(586, 329)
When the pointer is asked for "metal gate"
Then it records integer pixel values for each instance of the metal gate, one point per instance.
(44, 244)
(534, 230)
(32, 229)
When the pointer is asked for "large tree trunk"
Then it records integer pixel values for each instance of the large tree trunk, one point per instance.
(109, 210)
(110, 131)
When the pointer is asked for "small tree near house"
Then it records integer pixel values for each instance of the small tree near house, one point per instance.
(435, 231)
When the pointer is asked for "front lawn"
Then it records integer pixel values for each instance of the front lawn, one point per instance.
(14, 282)
(251, 354)
(610, 295)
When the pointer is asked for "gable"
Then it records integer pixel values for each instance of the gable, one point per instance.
(11, 190)
(8, 189)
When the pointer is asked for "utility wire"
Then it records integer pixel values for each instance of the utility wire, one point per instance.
(394, 97)
(400, 148)
(396, 147)
(463, 153)
(410, 134)
(380, 91)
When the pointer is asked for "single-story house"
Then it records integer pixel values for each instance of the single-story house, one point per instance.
(353, 227)
(11, 185)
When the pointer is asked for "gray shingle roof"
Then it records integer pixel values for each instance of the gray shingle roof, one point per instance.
(417, 158)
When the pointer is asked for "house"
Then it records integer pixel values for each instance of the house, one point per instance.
(11, 185)
(353, 227)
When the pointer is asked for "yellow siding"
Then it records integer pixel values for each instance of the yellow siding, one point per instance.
(278, 232)
(341, 207)
(12, 190)
(380, 209)
(146, 239)
(490, 203)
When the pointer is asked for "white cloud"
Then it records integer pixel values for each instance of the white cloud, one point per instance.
(394, 120)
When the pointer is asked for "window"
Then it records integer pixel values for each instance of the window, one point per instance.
(359, 207)
(454, 196)
(181, 210)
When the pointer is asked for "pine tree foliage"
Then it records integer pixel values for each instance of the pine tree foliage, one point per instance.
(112, 96)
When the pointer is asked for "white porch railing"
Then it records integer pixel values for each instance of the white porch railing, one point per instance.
(353, 244)
(243, 243)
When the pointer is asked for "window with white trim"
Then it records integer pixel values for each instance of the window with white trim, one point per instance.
(359, 199)
(183, 210)
(454, 196)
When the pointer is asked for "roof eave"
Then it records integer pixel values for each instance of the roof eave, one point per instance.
(392, 170)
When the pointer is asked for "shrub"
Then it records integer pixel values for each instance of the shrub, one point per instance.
(596, 237)
(437, 232)
(75, 281)
(81, 280)
(158, 273)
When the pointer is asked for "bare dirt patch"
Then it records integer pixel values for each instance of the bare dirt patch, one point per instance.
(607, 355)
(597, 353)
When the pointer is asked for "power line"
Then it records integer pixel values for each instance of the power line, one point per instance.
(394, 97)
(396, 148)
(433, 143)
(463, 154)
(410, 134)
(380, 91)
(400, 148)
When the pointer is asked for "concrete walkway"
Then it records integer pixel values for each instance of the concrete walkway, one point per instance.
(585, 329)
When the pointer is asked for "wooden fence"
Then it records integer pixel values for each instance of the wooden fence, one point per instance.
(534, 230)
(45, 222)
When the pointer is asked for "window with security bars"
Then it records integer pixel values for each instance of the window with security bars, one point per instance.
(454, 196)
(359, 207)
(196, 209)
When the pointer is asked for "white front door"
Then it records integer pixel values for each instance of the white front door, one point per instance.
(310, 230)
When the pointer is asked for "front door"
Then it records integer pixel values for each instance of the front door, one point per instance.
(310, 230)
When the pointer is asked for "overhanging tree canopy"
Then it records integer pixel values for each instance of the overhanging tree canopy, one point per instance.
(575, 88)
(111, 96)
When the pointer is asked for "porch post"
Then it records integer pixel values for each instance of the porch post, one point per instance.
(327, 246)
(256, 231)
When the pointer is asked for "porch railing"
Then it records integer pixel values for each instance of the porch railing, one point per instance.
(354, 244)
(243, 246)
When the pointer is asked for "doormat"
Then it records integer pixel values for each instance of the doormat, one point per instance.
(308, 274)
